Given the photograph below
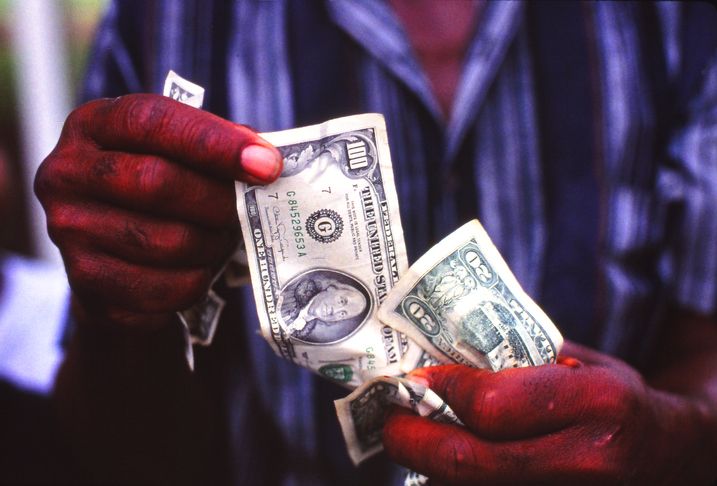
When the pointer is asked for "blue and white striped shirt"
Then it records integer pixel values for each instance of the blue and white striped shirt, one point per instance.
(584, 137)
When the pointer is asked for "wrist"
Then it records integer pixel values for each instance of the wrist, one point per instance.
(124, 393)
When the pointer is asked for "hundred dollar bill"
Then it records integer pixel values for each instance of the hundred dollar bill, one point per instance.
(362, 413)
(325, 246)
(461, 303)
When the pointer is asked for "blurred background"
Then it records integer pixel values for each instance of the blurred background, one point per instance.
(43, 50)
(44, 45)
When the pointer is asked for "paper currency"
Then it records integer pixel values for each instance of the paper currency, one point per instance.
(362, 413)
(415, 479)
(325, 245)
(201, 319)
(461, 303)
(182, 90)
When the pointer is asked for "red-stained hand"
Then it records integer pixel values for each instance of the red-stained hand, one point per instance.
(140, 200)
(590, 419)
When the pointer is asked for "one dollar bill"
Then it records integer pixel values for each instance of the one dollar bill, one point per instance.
(461, 303)
(325, 246)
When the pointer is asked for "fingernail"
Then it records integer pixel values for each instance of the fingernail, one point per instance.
(261, 162)
(570, 362)
(418, 376)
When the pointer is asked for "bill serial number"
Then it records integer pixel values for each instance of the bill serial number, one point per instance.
(295, 223)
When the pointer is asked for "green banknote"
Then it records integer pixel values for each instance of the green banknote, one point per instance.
(461, 303)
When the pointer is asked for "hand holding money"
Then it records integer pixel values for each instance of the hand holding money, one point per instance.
(459, 303)
(585, 419)
(140, 200)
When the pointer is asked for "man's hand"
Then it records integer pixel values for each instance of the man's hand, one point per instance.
(140, 200)
(590, 419)
(139, 196)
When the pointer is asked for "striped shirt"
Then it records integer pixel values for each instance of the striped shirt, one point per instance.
(583, 136)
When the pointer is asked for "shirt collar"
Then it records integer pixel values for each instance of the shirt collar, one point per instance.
(375, 27)
(498, 25)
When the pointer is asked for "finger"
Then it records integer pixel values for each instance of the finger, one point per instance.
(150, 184)
(444, 452)
(154, 124)
(509, 404)
(451, 454)
(100, 279)
(140, 239)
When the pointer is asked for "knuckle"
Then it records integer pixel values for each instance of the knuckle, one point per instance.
(200, 136)
(61, 220)
(50, 175)
(57, 217)
(78, 121)
(60, 173)
(194, 285)
(143, 115)
(43, 180)
(105, 166)
(165, 243)
(135, 235)
(83, 272)
(79, 115)
(153, 179)
(182, 239)
(179, 241)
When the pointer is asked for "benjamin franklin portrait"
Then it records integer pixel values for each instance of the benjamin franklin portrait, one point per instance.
(323, 306)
